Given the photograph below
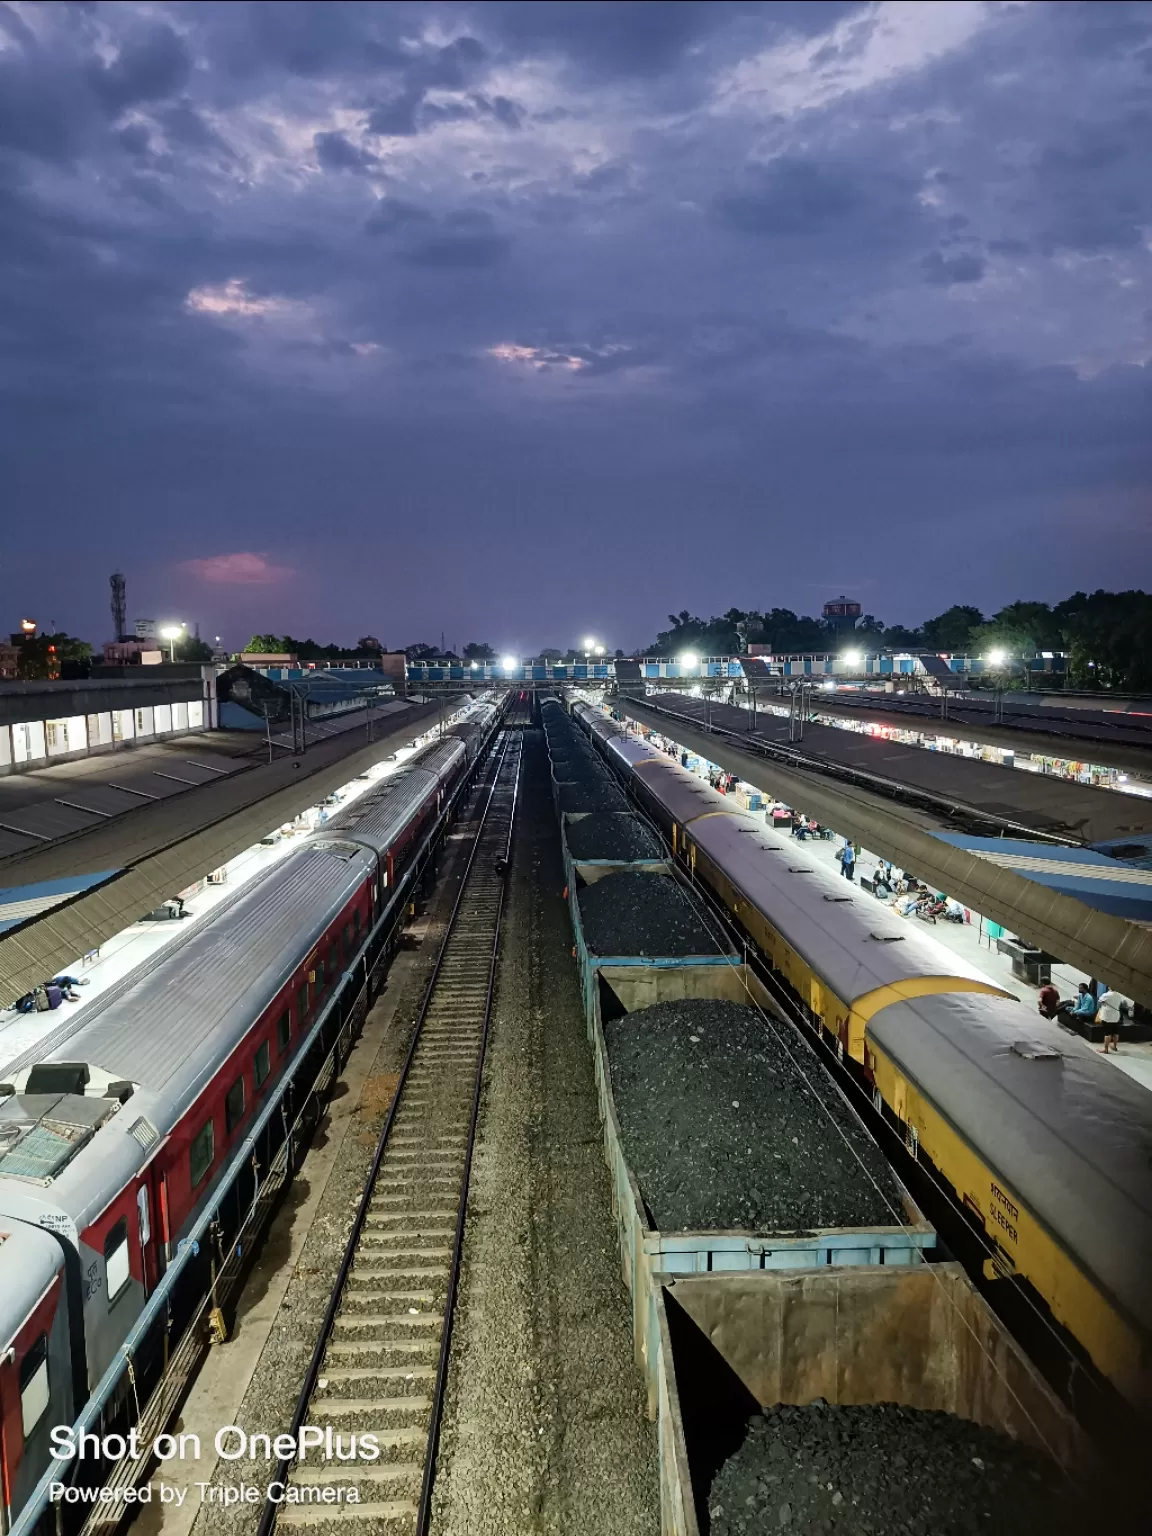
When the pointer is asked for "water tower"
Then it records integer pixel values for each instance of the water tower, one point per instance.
(841, 614)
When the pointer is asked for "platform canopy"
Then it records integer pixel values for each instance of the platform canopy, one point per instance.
(1095, 879)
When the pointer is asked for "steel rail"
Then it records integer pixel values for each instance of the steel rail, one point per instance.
(340, 1285)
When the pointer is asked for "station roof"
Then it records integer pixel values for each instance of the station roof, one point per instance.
(1036, 802)
(1109, 737)
(1093, 878)
(113, 688)
(66, 895)
(1097, 942)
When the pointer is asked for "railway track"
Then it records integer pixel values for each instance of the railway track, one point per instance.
(380, 1362)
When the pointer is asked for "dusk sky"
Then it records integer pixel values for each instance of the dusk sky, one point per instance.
(520, 322)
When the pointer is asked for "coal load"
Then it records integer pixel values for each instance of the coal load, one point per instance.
(591, 797)
(642, 914)
(728, 1125)
(888, 1469)
(571, 770)
(612, 837)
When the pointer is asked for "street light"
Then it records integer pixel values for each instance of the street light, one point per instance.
(997, 658)
(689, 659)
(852, 658)
(590, 644)
(28, 626)
(510, 663)
(598, 650)
(172, 633)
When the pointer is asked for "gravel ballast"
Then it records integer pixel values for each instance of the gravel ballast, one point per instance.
(642, 914)
(884, 1468)
(612, 836)
(730, 1126)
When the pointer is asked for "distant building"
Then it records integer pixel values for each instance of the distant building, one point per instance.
(145, 629)
(9, 660)
(842, 614)
(132, 653)
(268, 659)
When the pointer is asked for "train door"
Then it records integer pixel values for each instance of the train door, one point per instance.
(147, 1205)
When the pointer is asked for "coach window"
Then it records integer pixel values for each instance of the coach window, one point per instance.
(261, 1064)
(200, 1153)
(347, 941)
(234, 1106)
(283, 1032)
(34, 1390)
(116, 1260)
(302, 1003)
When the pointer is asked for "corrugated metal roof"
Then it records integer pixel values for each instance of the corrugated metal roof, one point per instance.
(1109, 885)
(1040, 802)
(1072, 1137)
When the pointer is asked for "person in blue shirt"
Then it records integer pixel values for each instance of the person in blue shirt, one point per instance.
(1084, 1008)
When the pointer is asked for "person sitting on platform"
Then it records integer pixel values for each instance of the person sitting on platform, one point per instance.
(1048, 1002)
(1083, 1010)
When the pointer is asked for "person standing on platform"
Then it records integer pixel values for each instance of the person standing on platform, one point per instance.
(847, 857)
(1109, 1011)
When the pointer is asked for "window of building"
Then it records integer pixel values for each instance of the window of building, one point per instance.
(234, 1106)
(262, 1063)
(35, 1393)
(116, 1270)
(283, 1032)
(139, 720)
(201, 1153)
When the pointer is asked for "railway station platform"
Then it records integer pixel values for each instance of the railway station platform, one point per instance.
(906, 829)
(103, 876)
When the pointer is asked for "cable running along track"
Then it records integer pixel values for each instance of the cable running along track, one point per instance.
(380, 1364)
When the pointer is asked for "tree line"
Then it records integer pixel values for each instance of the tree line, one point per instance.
(1106, 635)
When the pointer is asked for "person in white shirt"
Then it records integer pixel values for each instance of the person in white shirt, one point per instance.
(1109, 1011)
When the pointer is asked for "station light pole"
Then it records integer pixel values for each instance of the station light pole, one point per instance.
(172, 633)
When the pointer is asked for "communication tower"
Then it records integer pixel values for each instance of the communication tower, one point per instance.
(119, 605)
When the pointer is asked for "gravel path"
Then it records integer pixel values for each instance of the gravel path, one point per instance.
(886, 1469)
(643, 914)
(612, 836)
(720, 1126)
(545, 1430)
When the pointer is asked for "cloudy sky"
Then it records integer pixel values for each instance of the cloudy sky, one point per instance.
(521, 321)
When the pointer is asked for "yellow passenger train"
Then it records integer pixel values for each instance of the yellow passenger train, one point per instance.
(1047, 1146)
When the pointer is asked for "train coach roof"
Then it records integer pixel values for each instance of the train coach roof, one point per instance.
(602, 726)
(848, 939)
(682, 794)
(1070, 1136)
(174, 1021)
(29, 1261)
(380, 815)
